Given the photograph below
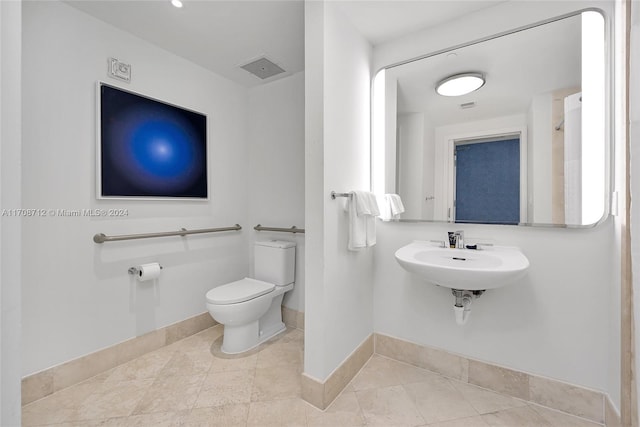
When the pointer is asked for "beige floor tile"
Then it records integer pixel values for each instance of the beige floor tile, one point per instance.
(349, 388)
(407, 374)
(285, 353)
(485, 401)
(438, 400)
(59, 407)
(520, 417)
(112, 399)
(222, 364)
(223, 416)
(198, 343)
(188, 384)
(388, 406)
(159, 419)
(171, 394)
(83, 423)
(143, 367)
(285, 413)
(560, 419)
(344, 411)
(377, 372)
(209, 335)
(278, 382)
(187, 363)
(224, 388)
(462, 422)
(293, 335)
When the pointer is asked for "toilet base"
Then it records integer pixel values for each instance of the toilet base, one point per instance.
(234, 341)
(238, 339)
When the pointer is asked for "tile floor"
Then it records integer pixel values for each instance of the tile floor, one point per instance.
(190, 383)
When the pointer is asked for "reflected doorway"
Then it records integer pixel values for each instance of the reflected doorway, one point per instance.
(487, 180)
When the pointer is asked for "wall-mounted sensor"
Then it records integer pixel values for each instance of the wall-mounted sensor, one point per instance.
(119, 70)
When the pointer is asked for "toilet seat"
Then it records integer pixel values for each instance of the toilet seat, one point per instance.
(239, 291)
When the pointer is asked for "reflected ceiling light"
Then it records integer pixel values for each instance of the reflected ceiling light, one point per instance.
(460, 84)
(177, 3)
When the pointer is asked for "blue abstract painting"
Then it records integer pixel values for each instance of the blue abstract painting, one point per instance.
(150, 149)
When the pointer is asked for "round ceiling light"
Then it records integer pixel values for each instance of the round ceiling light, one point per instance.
(176, 3)
(460, 84)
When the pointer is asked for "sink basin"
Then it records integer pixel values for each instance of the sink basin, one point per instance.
(487, 268)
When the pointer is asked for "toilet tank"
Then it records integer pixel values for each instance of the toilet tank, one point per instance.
(274, 261)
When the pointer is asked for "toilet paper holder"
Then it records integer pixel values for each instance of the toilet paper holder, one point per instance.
(134, 271)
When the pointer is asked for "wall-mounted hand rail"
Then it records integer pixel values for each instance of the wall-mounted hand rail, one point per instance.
(293, 229)
(101, 238)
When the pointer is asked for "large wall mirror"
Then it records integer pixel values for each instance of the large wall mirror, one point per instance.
(527, 145)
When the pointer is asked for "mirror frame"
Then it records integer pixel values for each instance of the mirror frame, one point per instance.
(609, 137)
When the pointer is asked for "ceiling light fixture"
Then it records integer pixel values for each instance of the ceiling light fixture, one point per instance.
(176, 3)
(460, 84)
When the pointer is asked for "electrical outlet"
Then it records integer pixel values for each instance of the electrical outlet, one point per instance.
(119, 70)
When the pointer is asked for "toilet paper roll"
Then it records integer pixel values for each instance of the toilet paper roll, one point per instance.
(148, 271)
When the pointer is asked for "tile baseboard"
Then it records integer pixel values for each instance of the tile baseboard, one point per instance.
(571, 399)
(293, 318)
(321, 393)
(611, 414)
(48, 381)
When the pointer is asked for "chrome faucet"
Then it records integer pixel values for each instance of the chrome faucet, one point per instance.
(459, 236)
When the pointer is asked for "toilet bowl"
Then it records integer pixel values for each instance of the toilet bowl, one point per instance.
(250, 309)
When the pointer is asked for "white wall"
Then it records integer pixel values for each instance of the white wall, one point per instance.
(557, 321)
(77, 295)
(552, 323)
(276, 168)
(428, 171)
(410, 155)
(339, 291)
(10, 227)
(539, 156)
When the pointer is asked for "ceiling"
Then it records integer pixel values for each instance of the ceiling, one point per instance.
(223, 35)
(217, 35)
(383, 20)
(517, 67)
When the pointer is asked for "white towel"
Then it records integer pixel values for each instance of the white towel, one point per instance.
(363, 208)
(396, 204)
(391, 207)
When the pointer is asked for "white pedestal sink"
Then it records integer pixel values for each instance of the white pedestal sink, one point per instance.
(465, 269)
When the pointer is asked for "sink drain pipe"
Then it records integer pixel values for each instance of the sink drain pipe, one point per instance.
(462, 307)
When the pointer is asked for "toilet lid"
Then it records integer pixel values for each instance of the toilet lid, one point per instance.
(239, 291)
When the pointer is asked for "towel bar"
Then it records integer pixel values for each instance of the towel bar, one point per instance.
(334, 195)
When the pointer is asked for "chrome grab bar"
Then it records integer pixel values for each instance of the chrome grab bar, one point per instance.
(101, 238)
(293, 229)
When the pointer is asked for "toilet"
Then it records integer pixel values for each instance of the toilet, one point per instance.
(251, 309)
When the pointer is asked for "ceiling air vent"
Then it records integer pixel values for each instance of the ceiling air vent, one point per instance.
(262, 68)
(467, 105)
